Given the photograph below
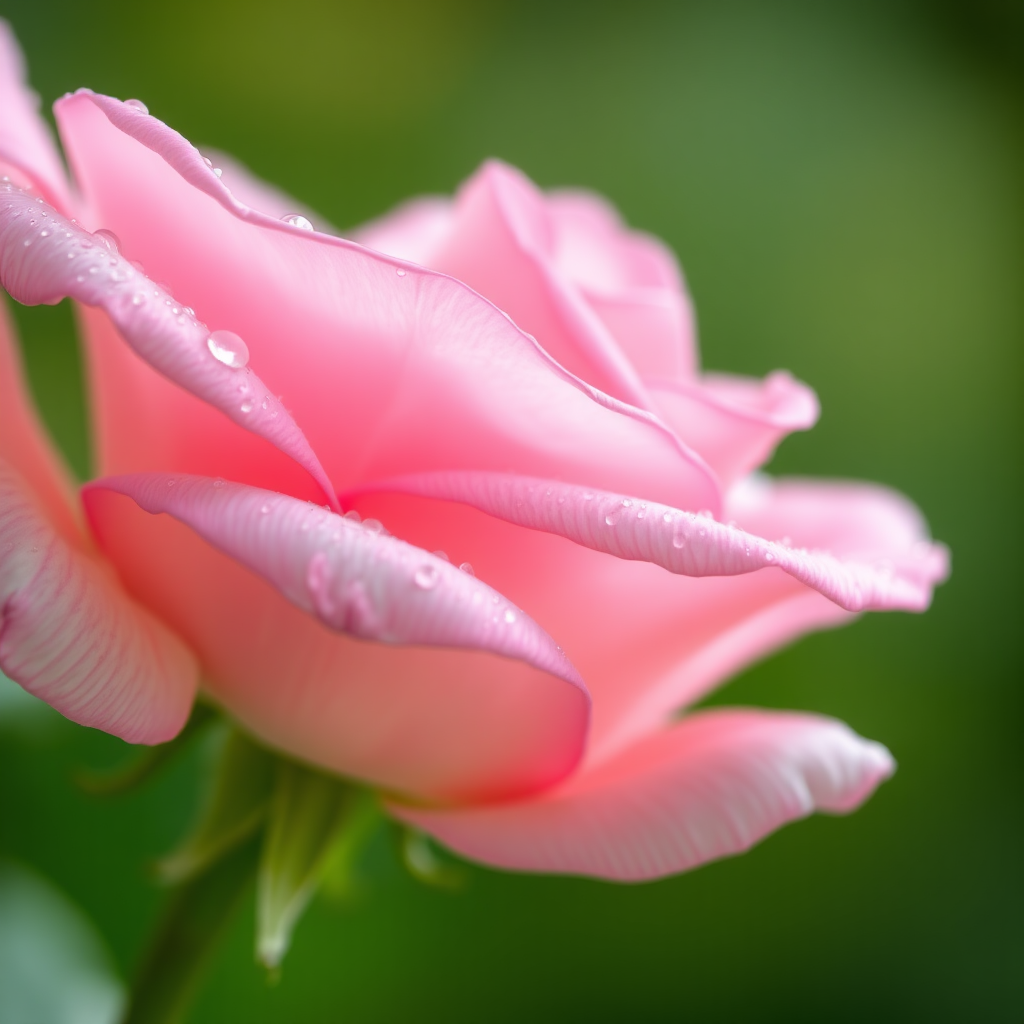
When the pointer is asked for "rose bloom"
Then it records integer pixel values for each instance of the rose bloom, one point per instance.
(575, 546)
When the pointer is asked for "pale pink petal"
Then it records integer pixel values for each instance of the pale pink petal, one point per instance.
(25, 446)
(735, 423)
(27, 149)
(648, 641)
(425, 373)
(505, 714)
(413, 231)
(69, 634)
(630, 279)
(709, 787)
(502, 243)
(44, 257)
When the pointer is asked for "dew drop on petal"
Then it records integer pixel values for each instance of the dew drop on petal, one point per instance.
(667, 517)
(138, 299)
(218, 482)
(246, 405)
(217, 171)
(208, 162)
(510, 616)
(467, 568)
(137, 105)
(400, 273)
(426, 577)
(228, 348)
(443, 555)
(108, 240)
(298, 221)
(769, 556)
(265, 404)
(373, 525)
(353, 515)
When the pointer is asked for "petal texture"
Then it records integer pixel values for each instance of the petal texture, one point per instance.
(709, 787)
(898, 573)
(69, 635)
(26, 146)
(507, 713)
(420, 368)
(44, 257)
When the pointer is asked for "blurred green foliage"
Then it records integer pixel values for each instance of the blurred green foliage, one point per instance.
(843, 183)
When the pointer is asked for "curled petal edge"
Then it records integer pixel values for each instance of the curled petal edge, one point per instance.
(45, 257)
(683, 542)
(353, 577)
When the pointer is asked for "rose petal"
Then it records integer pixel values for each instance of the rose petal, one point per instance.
(44, 257)
(735, 423)
(422, 370)
(647, 641)
(630, 279)
(26, 146)
(69, 635)
(440, 723)
(501, 242)
(413, 231)
(25, 446)
(709, 787)
(893, 575)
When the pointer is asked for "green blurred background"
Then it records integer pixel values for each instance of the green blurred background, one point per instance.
(843, 183)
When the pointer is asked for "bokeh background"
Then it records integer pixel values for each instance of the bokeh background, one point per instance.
(843, 183)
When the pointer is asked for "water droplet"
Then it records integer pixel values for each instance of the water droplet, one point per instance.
(218, 482)
(187, 309)
(264, 509)
(298, 221)
(706, 513)
(373, 525)
(138, 299)
(208, 162)
(108, 240)
(626, 503)
(71, 255)
(44, 234)
(353, 515)
(400, 273)
(612, 518)
(27, 242)
(426, 577)
(678, 538)
(467, 568)
(137, 105)
(443, 555)
(265, 404)
(769, 556)
(246, 405)
(667, 517)
(228, 348)
(217, 171)
(510, 616)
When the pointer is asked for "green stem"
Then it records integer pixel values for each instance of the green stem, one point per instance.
(194, 923)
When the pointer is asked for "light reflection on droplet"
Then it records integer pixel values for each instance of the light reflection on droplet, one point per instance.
(426, 577)
(228, 348)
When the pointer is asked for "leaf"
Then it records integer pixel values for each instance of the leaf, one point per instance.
(363, 820)
(236, 802)
(307, 813)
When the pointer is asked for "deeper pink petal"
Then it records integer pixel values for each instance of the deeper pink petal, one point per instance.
(709, 787)
(507, 713)
(25, 446)
(416, 365)
(69, 634)
(44, 257)
(27, 149)
(735, 423)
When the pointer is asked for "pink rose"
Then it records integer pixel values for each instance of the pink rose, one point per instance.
(509, 377)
